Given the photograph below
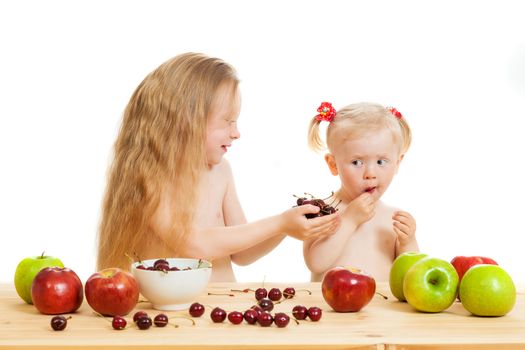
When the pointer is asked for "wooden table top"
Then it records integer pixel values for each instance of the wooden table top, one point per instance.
(382, 324)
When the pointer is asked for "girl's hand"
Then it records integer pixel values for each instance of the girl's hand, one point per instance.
(404, 227)
(361, 209)
(296, 225)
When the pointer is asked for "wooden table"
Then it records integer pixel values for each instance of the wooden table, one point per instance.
(383, 324)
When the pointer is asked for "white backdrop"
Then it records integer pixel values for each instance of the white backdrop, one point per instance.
(455, 69)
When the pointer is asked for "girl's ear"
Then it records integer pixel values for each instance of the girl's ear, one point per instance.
(330, 160)
(399, 162)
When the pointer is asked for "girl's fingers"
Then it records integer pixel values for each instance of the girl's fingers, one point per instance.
(402, 227)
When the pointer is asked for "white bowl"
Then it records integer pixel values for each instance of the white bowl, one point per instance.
(173, 290)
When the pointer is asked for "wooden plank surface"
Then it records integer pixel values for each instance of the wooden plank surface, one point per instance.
(383, 324)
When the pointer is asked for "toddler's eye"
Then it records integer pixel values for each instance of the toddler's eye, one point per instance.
(382, 162)
(357, 162)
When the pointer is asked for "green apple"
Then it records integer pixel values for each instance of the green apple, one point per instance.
(487, 290)
(398, 270)
(27, 270)
(431, 285)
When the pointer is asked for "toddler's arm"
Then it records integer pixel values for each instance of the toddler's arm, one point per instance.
(405, 229)
(320, 253)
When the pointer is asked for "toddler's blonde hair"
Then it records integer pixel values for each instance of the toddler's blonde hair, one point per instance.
(161, 144)
(356, 119)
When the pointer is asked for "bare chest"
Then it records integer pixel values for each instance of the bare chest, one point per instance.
(209, 210)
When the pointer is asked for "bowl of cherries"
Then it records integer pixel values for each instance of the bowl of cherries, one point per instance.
(172, 283)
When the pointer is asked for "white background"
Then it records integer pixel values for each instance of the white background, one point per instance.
(455, 69)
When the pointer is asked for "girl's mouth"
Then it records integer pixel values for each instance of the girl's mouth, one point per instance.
(370, 189)
(225, 148)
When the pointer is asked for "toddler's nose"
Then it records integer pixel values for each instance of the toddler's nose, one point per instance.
(235, 134)
(369, 173)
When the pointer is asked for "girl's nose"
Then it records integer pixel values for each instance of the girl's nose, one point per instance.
(369, 172)
(235, 134)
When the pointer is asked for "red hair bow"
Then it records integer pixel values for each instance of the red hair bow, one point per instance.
(395, 112)
(326, 112)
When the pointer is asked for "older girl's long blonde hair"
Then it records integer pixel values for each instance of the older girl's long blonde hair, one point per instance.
(160, 143)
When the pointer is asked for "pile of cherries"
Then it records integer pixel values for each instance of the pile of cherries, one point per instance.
(162, 265)
(142, 321)
(261, 313)
(325, 209)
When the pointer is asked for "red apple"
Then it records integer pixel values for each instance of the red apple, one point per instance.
(57, 290)
(347, 289)
(463, 263)
(112, 292)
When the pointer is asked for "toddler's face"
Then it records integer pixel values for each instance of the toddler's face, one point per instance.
(221, 128)
(365, 164)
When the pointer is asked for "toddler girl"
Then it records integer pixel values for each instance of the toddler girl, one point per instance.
(170, 193)
(366, 143)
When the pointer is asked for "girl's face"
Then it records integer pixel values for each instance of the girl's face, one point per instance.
(221, 127)
(365, 164)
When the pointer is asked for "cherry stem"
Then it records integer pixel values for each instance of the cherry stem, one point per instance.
(331, 195)
(246, 290)
(129, 257)
(293, 318)
(100, 315)
(304, 290)
(187, 318)
(230, 295)
(384, 296)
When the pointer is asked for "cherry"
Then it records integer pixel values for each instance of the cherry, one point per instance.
(250, 316)
(288, 293)
(141, 267)
(59, 323)
(118, 322)
(218, 315)
(235, 317)
(299, 312)
(161, 320)
(266, 304)
(265, 319)
(261, 293)
(315, 313)
(324, 209)
(196, 310)
(257, 309)
(281, 319)
(174, 268)
(138, 315)
(275, 294)
(144, 322)
(160, 262)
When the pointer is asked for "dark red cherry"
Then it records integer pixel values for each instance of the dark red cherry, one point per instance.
(281, 319)
(299, 312)
(218, 315)
(288, 293)
(161, 320)
(266, 304)
(250, 316)
(275, 294)
(159, 262)
(144, 322)
(261, 293)
(265, 319)
(315, 313)
(138, 315)
(118, 322)
(58, 323)
(196, 310)
(257, 309)
(235, 317)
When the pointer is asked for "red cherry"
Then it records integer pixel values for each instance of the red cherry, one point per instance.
(288, 293)
(161, 320)
(266, 304)
(261, 293)
(235, 317)
(300, 312)
(315, 313)
(281, 319)
(218, 315)
(138, 315)
(118, 322)
(275, 294)
(250, 316)
(265, 319)
(196, 310)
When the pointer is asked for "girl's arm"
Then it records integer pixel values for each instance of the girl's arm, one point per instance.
(321, 253)
(234, 215)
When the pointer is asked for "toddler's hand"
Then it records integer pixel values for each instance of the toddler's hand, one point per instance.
(404, 227)
(361, 209)
(296, 225)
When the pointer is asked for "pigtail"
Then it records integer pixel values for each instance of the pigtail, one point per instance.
(314, 138)
(407, 134)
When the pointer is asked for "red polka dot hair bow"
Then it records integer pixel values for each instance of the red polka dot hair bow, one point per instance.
(326, 112)
(395, 112)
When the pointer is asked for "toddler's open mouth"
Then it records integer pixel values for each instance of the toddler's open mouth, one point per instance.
(370, 189)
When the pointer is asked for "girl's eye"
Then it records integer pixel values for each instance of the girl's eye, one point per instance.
(357, 162)
(382, 162)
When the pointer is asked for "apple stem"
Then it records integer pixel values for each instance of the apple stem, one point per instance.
(230, 295)
(384, 296)
(42, 256)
